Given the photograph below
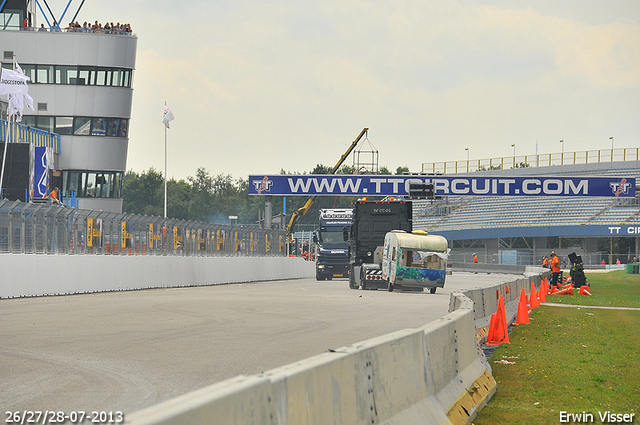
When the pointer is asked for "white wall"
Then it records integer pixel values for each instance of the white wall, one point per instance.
(36, 275)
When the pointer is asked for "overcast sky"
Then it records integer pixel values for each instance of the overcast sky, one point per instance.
(261, 86)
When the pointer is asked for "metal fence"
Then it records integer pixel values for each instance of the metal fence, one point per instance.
(592, 260)
(28, 228)
(525, 161)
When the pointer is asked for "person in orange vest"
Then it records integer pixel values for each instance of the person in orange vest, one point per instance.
(555, 269)
(475, 258)
(545, 262)
(54, 196)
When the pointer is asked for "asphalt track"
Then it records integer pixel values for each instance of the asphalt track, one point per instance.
(123, 351)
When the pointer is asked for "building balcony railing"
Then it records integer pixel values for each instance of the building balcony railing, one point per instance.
(525, 161)
(18, 133)
(68, 30)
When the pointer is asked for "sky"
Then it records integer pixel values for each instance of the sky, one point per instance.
(257, 87)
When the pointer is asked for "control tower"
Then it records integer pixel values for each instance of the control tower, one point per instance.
(82, 86)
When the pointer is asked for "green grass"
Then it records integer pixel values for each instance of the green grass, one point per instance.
(572, 359)
(616, 289)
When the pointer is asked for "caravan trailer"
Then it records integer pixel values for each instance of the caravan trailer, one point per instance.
(415, 260)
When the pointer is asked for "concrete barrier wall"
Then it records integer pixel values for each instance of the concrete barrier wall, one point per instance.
(486, 299)
(432, 375)
(36, 275)
(488, 268)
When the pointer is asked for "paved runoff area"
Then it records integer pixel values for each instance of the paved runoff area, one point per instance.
(123, 351)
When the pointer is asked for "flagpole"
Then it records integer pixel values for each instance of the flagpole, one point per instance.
(7, 139)
(165, 168)
(4, 157)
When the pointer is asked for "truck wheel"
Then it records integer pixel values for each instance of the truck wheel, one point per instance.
(432, 290)
(319, 278)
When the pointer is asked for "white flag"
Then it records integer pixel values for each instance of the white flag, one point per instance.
(16, 106)
(168, 116)
(21, 101)
(16, 103)
(12, 82)
(28, 101)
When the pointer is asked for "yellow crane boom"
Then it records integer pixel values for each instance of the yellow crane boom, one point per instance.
(303, 210)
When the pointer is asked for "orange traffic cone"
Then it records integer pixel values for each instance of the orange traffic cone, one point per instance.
(541, 293)
(554, 290)
(523, 313)
(584, 290)
(533, 296)
(566, 291)
(498, 328)
(492, 328)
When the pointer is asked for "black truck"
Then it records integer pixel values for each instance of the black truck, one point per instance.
(371, 222)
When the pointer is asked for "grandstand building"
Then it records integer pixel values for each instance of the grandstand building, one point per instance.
(521, 230)
(81, 83)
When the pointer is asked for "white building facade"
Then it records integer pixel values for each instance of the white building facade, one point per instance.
(82, 86)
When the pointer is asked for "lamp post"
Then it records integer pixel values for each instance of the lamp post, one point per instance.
(562, 154)
(611, 148)
(513, 145)
(467, 149)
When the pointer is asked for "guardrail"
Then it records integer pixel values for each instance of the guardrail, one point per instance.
(20, 133)
(31, 228)
(432, 375)
(525, 161)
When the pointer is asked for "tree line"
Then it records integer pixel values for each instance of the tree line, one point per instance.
(213, 198)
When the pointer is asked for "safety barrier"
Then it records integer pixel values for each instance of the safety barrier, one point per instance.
(485, 300)
(38, 275)
(432, 375)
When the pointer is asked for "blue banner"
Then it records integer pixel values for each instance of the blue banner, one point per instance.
(376, 185)
(42, 163)
(578, 231)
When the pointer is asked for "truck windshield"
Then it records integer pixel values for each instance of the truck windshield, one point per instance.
(332, 238)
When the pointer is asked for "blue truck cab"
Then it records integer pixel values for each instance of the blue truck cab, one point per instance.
(333, 251)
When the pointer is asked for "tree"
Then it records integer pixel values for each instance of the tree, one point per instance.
(384, 171)
(178, 196)
(401, 170)
(321, 169)
(144, 193)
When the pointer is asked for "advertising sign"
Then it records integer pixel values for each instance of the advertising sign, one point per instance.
(126, 234)
(94, 232)
(377, 185)
(154, 236)
(220, 238)
(202, 241)
(43, 160)
(177, 238)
